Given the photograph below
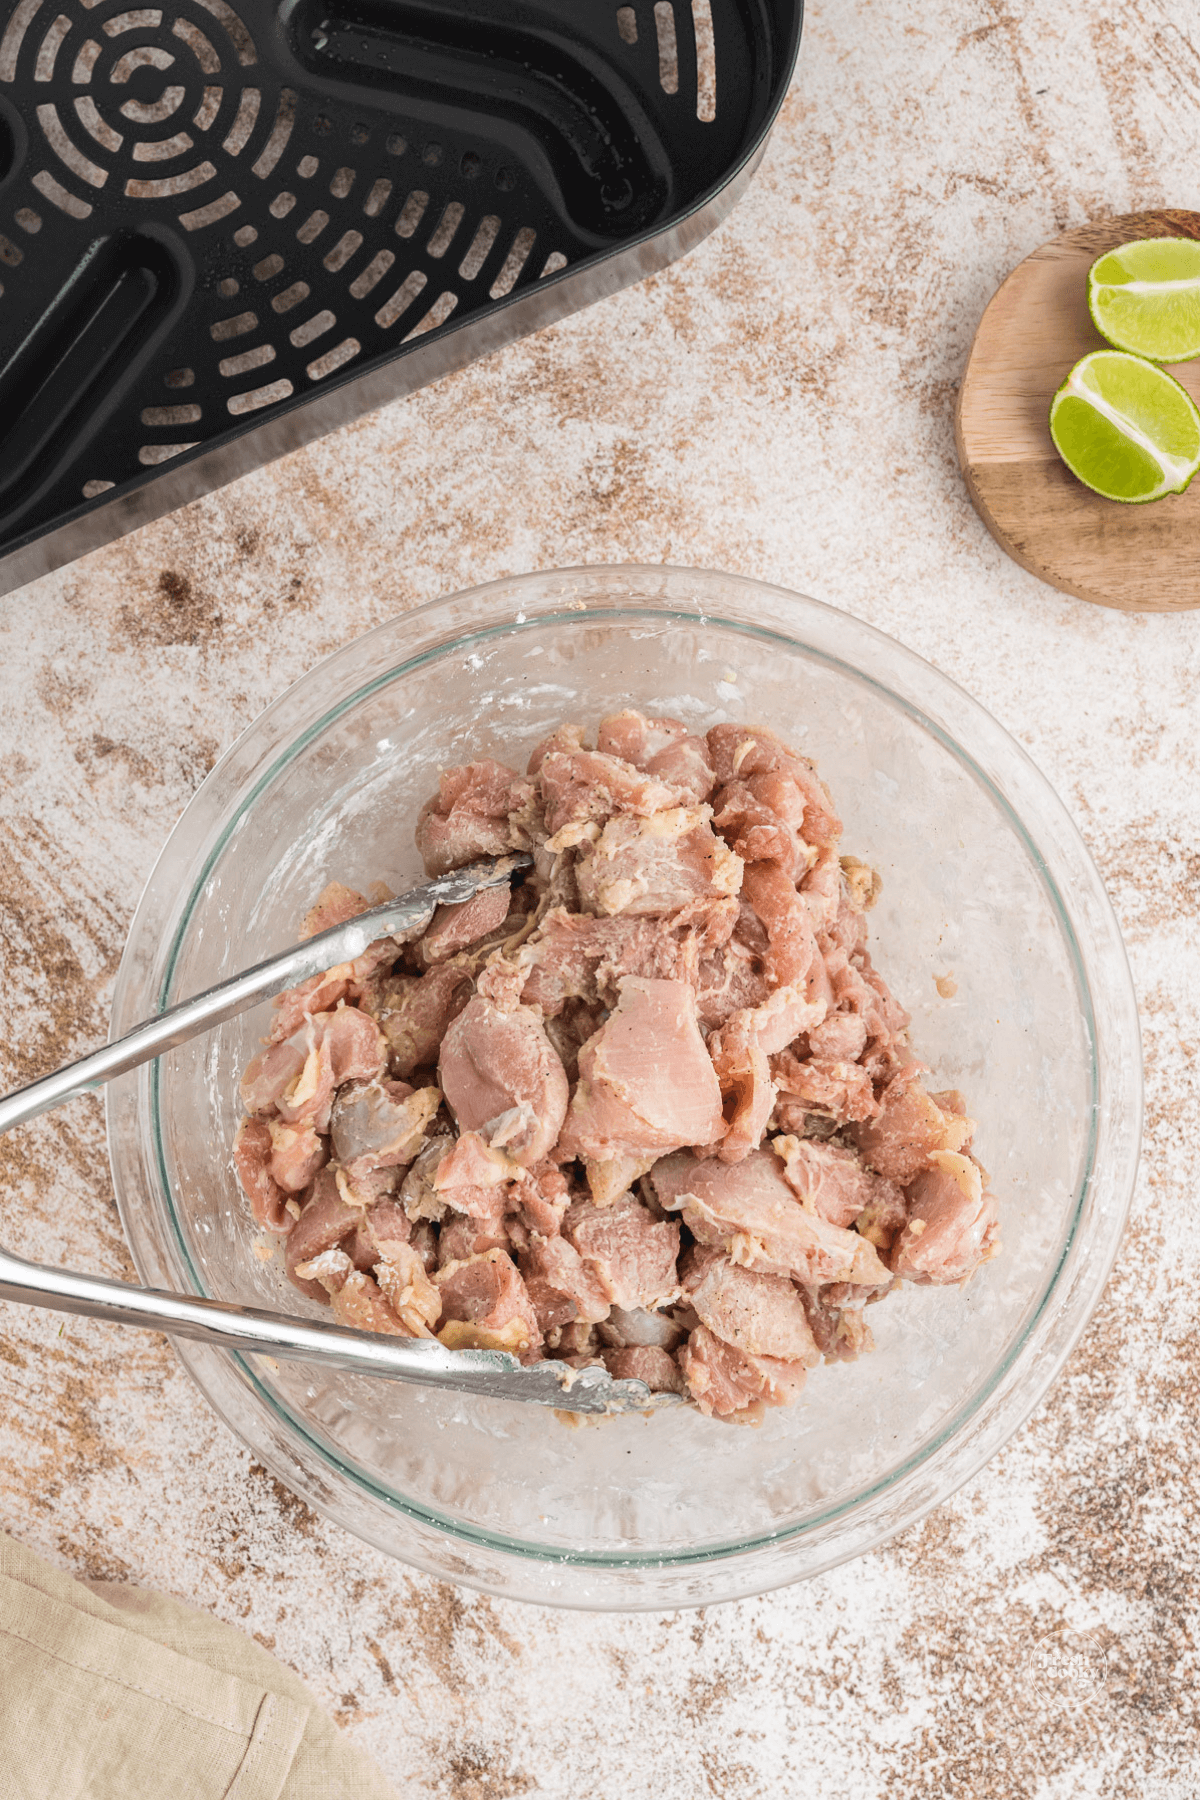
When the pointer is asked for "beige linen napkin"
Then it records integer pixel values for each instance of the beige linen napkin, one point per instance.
(117, 1693)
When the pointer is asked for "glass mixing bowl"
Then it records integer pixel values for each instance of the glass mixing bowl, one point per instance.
(985, 878)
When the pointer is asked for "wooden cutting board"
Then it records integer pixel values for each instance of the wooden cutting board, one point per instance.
(1140, 558)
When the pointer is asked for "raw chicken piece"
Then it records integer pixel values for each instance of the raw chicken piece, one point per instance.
(792, 945)
(635, 738)
(322, 1211)
(324, 1222)
(951, 1225)
(320, 993)
(644, 1362)
(644, 867)
(840, 1332)
(569, 1029)
(425, 1242)
(732, 980)
(821, 887)
(414, 1012)
(857, 988)
(579, 786)
(493, 1064)
(502, 978)
(762, 819)
(464, 1236)
(470, 1160)
(646, 1083)
(900, 1143)
(309, 1097)
(895, 1019)
(747, 1093)
(685, 765)
(728, 1383)
(948, 1101)
(832, 1181)
(453, 928)
(329, 1271)
(882, 1219)
(357, 1048)
(474, 1178)
(274, 1070)
(842, 1090)
(341, 1046)
(561, 1286)
(418, 1196)
(862, 888)
(745, 1036)
(365, 1191)
(748, 1210)
(297, 1152)
(745, 1070)
(631, 1253)
(380, 1124)
(741, 751)
(760, 1314)
(637, 1328)
(473, 816)
(360, 1303)
(558, 964)
(485, 1306)
(538, 1199)
(659, 747)
(783, 1015)
(251, 1160)
(408, 1290)
(387, 1228)
(336, 906)
(564, 738)
(839, 1038)
(610, 1177)
(845, 940)
(360, 1248)
(575, 956)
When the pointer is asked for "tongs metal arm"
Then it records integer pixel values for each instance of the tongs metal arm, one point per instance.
(243, 1328)
(403, 918)
(231, 1327)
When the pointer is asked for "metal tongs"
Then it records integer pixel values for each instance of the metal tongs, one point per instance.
(421, 1360)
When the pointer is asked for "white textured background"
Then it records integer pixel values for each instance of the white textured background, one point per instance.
(779, 404)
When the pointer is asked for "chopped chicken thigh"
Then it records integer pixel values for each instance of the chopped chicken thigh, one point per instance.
(651, 1108)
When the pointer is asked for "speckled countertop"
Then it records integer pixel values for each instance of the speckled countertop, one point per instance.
(779, 404)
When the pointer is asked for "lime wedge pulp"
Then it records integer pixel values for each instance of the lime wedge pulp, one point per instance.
(1145, 298)
(1126, 428)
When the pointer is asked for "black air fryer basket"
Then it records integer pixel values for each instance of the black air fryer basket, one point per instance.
(226, 228)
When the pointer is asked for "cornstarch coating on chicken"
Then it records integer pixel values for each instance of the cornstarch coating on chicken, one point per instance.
(654, 1108)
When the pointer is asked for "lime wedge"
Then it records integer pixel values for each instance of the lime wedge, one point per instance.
(1145, 298)
(1126, 428)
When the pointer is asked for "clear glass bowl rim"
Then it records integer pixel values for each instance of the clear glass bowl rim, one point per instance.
(940, 706)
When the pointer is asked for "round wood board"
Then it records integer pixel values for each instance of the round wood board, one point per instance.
(1141, 558)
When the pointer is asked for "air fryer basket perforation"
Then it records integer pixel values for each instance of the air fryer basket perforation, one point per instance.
(214, 211)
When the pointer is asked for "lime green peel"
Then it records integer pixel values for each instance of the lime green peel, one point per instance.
(1126, 428)
(1145, 298)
